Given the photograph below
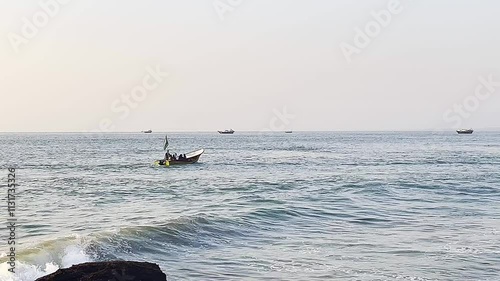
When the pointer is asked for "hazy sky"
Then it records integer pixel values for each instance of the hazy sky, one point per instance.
(87, 65)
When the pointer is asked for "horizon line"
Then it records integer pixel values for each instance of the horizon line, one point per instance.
(243, 131)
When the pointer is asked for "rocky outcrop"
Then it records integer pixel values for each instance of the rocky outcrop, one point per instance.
(108, 271)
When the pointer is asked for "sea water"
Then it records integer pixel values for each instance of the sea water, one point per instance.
(273, 206)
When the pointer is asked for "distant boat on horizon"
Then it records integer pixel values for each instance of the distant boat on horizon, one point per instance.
(147, 132)
(288, 132)
(226, 132)
(465, 131)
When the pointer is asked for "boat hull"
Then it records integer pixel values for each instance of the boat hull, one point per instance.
(191, 158)
(465, 132)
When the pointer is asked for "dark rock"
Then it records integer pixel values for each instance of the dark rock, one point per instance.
(108, 271)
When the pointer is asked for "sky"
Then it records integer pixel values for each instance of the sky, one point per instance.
(260, 65)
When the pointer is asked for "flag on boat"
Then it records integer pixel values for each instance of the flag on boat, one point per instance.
(165, 145)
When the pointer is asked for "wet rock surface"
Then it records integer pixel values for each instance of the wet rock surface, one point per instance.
(108, 271)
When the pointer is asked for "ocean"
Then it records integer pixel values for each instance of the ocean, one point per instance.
(271, 206)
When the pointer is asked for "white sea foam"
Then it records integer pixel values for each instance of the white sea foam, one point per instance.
(26, 272)
(45, 263)
(74, 255)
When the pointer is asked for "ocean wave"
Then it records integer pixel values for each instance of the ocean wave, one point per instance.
(134, 242)
(45, 258)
